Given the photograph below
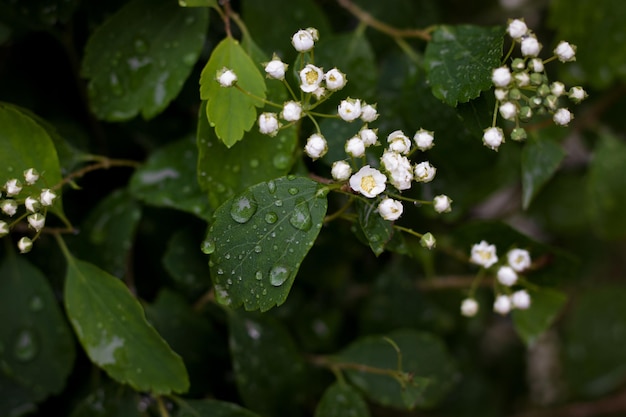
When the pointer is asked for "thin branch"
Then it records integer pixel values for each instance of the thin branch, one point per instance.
(104, 164)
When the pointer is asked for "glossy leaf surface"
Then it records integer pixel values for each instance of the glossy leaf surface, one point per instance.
(541, 158)
(211, 408)
(546, 304)
(342, 400)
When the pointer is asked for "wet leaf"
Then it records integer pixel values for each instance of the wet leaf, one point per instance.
(377, 231)
(211, 408)
(546, 304)
(109, 400)
(342, 400)
(186, 264)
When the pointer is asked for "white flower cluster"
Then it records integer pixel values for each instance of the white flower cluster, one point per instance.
(517, 261)
(522, 88)
(36, 205)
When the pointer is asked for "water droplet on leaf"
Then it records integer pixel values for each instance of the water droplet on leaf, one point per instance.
(258, 248)
(208, 246)
(26, 345)
(301, 216)
(271, 187)
(243, 208)
(258, 275)
(271, 217)
(293, 191)
(278, 275)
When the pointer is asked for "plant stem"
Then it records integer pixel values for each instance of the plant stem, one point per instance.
(104, 164)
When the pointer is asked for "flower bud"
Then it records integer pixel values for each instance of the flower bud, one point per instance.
(292, 111)
(9, 207)
(469, 307)
(268, 124)
(226, 77)
(565, 52)
(428, 241)
(4, 228)
(519, 134)
(25, 244)
(442, 204)
(502, 304)
(13, 187)
(335, 79)
(276, 68)
(36, 221)
(424, 172)
(562, 117)
(31, 176)
(493, 138)
(47, 197)
(341, 170)
(390, 209)
(349, 109)
(316, 146)
(355, 147)
(32, 204)
(424, 139)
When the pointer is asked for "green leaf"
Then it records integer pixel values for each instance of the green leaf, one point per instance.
(377, 231)
(231, 111)
(109, 400)
(260, 237)
(424, 357)
(606, 188)
(186, 264)
(546, 304)
(139, 59)
(37, 351)
(198, 3)
(541, 158)
(224, 172)
(111, 327)
(168, 179)
(341, 400)
(459, 61)
(211, 408)
(268, 370)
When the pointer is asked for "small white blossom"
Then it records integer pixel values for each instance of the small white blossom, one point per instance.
(501, 94)
(268, 124)
(304, 39)
(341, 170)
(565, 52)
(508, 110)
(577, 94)
(369, 113)
(24, 244)
(557, 88)
(507, 276)
(484, 254)
(9, 207)
(310, 78)
(502, 304)
(518, 259)
(501, 77)
(226, 77)
(522, 79)
(46, 198)
(32, 204)
(292, 111)
(399, 142)
(316, 146)
(469, 307)
(368, 181)
(424, 139)
(13, 187)
(517, 28)
(530, 46)
(399, 169)
(562, 117)
(4, 228)
(349, 109)
(319, 92)
(424, 172)
(390, 209)
(335, 79)
(36, 221)
(520, 299)
(428, 241)
(442, 204)
(536, 65)
(31, 176)
(368, 136)
(493, 137)
(276, 68)
(355, 147)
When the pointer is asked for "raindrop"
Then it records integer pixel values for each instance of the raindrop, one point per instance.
(301, 216)
(36, 303)
(278, 203)
(281, 161)
(243, 208)
(141, 46)
(208, 246)
(227, 256)
(271, 187)
(271, 217)
(293, 191)
(278, 275)
(258, 248)
(25, 347)
(258, 275)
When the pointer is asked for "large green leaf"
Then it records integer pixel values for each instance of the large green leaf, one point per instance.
(459, 61)
(211, 408)
(541, 158)
(231, 111)
(342, 400)
(424, 357)
(111, 326)
(36, 344)
(186, 264)
(606, 188)
(139, 59)
(224, 172)
(269, 372)
(546, 304)
(168, 179)
(109, 400)
(260, 237)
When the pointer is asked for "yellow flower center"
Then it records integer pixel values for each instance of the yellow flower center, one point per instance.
(311, 77)
(368, 183)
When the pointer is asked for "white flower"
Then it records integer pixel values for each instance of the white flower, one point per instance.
(226, 77)
(536, 65)
(484, 254)
(424, 172)
(577, 94)
(9, 207)
(518, 259)
(369, 113)
(316, 146)
(565, 52)
(557, 88)
(335, 79)
(522, 79)
(507, 276)
(368, 181)
(469, 307)
(292, 111)
(508, 110)
(276, 68)
(319, 92)
(46, 198)
(520, 299)
(399, 169)
(562, 117)
(501, 77)
(310, 78)
(399, 142)
(517, 28)
(349, 109)
(4, 228)
(31, 176)
(268, 124)
(341, 170)
(502, 304)
(442, 203)
(390, 209)
(32, 204)
(355, 147)
(24, 245)
(13, 187)
(424, 139)
(493, 137)
(304, 39)
(36, 221)
(368, 136)
(501, 94)
(530, 46)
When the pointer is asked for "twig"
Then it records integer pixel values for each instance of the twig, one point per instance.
(104, 164)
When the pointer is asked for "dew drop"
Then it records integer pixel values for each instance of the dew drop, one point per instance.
(243, 208)
(293, 191)
(271, 217)
(258, 249)
(36, 303)
(141, 46)
(301, 216)
(271, 187)
(281, 161)
(26, 345)
(258, 275)
(278, 275)
(208, 246)
(278, 203)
